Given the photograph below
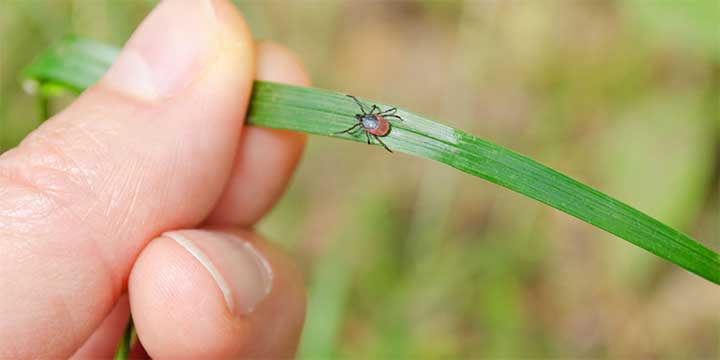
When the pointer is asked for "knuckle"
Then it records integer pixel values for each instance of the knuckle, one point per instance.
(40, 216)
(22, 206)
(41, 183)
(55, 163)
(50, 172)
(28, 213)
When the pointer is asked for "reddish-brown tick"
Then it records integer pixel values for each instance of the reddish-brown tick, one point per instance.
(372, 123)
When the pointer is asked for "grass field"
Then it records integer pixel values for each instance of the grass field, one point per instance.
(410, 259)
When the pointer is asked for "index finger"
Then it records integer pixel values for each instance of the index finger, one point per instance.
(266, 158)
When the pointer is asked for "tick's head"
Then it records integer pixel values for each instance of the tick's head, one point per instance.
(359, 117)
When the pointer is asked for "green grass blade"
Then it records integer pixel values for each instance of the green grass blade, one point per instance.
(328, 295)
(125, 345)
(76, 64)
(72, 63)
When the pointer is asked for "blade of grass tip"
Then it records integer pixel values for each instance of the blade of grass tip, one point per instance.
(77, 63)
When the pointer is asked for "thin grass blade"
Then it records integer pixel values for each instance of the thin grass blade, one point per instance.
(76, 63)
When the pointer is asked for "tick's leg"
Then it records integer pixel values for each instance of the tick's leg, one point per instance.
(381, 142)
(367, 135)
(359, 104)
(374, 107)
(354, 132)
(349, 129)
(397, 117)
(388, 112)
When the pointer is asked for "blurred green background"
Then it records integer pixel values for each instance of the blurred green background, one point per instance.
(410, 259)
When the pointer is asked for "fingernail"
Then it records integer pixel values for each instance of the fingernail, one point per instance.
(167, 52)
(239, 269)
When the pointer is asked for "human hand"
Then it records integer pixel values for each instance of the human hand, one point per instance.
(93, 204)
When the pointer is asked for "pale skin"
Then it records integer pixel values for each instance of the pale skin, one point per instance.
(96, 204)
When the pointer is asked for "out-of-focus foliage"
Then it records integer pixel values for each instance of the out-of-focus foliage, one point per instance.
(409, 259)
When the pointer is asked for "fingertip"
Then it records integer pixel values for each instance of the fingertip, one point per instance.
(172, 299)
(264, 167)
(266, 158)
(278, 63)
(216, 294)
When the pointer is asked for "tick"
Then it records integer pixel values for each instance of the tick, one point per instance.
(372, 123)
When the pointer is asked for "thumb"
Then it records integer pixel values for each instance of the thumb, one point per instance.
(146, 150)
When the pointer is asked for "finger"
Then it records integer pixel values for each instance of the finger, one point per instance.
(137, 352)
(266, 158)
(103, 343)
(146, 150)
(200, 294)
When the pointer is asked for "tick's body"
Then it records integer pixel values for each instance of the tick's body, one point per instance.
(375, 124)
